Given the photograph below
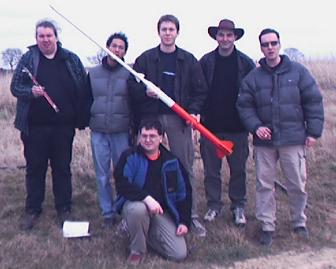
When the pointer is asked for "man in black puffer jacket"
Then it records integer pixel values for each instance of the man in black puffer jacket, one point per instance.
(47, 134)
(281, 105)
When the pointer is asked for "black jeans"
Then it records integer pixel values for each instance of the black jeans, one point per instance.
(237, 165)
(43, 144)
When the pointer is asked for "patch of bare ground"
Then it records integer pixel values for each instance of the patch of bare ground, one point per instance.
(324, 258)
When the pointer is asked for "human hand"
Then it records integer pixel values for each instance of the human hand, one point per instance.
(181, 230)
(310, 141)
(152, 205)
(140, 75)
(38, 91)
(197, 117)
(150, 90)
(264, 133)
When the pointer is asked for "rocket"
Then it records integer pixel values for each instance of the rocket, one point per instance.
(223, 147)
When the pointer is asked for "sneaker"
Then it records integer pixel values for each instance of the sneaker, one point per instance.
(63, 216)
(239, 217)
(27, 221)
(266, 238)
(302, 232)
(197, 227)
(211, 214)
(135, 258)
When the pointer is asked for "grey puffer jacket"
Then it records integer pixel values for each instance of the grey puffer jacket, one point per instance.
(110, 111)
(287, 100)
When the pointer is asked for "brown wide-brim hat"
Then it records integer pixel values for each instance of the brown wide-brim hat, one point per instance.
(226, 25)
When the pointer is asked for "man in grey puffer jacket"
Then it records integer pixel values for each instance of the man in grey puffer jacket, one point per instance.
(280, 103)
(110, 120)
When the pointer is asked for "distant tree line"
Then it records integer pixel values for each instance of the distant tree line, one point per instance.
(11, 56)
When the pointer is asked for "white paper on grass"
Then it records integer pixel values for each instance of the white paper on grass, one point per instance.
(76, 228)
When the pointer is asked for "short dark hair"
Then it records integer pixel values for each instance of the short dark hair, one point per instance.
(151, 123)
(268, 31)
(46, 24)
(170, 18)
(119, 35)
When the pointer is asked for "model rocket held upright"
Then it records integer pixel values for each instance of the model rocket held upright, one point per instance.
(223, 147)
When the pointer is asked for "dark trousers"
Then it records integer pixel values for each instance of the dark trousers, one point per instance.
(237, 165)
(43, 144)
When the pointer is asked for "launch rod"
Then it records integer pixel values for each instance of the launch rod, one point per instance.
(223, 147)
(45, 94)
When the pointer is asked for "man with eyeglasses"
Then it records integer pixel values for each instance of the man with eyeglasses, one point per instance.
(154, 196)
(178, 73)
(280, 103)
(224, 68)
(110, 120)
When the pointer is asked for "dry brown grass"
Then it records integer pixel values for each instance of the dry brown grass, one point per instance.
(44, 247)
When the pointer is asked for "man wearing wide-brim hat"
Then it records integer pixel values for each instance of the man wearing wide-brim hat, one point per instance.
(224, 68)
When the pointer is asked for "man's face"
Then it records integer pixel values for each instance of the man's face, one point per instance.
(118, 47)
(270, 46)
(150, 140)
(46, 40)
(225, 39)
(168, 33)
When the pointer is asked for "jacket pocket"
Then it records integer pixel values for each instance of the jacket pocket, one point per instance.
(171, 181)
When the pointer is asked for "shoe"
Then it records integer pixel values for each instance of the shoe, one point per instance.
(302, 232)
(109, 222)
(211, 214)
(266, 238)
(197, 227)
(122, 229)
(63, 216)
(28, 221)
(239, 217)
(135, 258)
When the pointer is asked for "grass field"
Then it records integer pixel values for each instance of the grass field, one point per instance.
(224, 246)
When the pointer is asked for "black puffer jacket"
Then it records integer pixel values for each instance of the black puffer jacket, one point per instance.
(21, 87)
(287, 100)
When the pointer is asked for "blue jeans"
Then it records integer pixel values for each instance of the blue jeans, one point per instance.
(106, 147)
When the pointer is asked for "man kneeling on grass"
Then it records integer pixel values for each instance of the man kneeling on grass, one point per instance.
(154, 196)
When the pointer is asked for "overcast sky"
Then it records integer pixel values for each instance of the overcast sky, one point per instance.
(305, 25)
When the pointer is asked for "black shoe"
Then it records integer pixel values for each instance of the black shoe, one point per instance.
(302, 232)
(63, 216)
(266, 238)
(109, 222)
(28, 220)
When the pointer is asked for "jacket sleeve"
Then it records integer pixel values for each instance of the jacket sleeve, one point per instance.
(184, 205)
(21, 84)
(312, 104)
(123, 174)
(82, 94)
(199, 88)
(246, 104)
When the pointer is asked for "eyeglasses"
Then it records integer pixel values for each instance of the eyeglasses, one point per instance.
(272, 43)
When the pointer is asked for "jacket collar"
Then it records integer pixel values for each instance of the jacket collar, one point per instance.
(62, 53)
(179, 54)
(282, 67)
